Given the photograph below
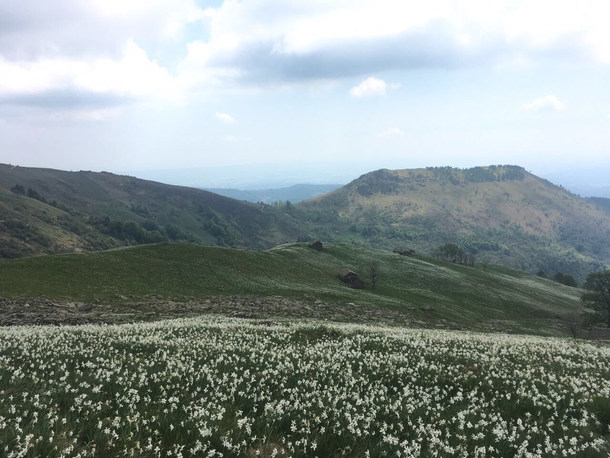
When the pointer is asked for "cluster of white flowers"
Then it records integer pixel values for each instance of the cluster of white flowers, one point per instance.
(219, 387)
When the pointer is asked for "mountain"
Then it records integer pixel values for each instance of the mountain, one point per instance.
(50, 211)
(296, 193)
(503, 214)
(417, 291)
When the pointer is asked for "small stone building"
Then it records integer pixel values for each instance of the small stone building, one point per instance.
(351, 278)
(405, 252)
(316, 245)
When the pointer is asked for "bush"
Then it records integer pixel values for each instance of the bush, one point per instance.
(566, 279)
(452, 252)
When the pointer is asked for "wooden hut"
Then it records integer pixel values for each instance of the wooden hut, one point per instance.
(316, 245)
(351, 278)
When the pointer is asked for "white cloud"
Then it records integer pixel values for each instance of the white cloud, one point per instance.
(134, 75)
(229, 139)
(64, 28)
(116, 47)
(370, 86)
(548, 103)
(391, 132)
(224, 117)
(263, 42)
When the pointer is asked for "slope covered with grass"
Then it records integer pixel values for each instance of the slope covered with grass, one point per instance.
(478, 297)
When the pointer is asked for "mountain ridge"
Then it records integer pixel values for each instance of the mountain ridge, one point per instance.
(489, 210)
(47, 210)
(502, 214)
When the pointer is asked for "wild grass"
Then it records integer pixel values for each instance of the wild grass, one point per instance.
(470, 297)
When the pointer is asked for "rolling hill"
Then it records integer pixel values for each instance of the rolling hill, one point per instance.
(50, 211)
(503, 214)
(422, 290)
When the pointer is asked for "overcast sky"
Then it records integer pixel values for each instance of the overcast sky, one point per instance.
(166, 84)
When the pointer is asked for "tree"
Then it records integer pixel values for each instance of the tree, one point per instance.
(597, 296)
(542, 274)
(569, 280)
(566, 279)
(373, 269)
(452, 252)
(18, 189)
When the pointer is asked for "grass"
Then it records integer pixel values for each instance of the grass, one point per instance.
(490, 298)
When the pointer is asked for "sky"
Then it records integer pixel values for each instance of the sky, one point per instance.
(153, 86)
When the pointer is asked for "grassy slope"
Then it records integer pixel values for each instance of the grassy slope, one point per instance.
(480, 298)
(85, 194)
(568, 232)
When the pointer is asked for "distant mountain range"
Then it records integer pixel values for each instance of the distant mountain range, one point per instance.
(502, 214)
(293, 194)
(585, 182)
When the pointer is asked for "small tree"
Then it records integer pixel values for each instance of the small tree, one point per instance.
(18, 189)
(569, 280)
(33, 194)
(542, 274)
(598, 293)
(566, 279)
(373, 268)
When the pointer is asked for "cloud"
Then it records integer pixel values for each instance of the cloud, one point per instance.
(370, 86)
(391, 132)
(64, 28)
(68, 55)
(66, 80)
(224, 117)
(229, 139)
(112, 52)
(263, 43)
(548, 103)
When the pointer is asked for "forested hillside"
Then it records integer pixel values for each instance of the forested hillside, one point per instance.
(501, 214)
(51, 211)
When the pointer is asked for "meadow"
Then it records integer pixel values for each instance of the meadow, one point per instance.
(221, 387)
(482, 298)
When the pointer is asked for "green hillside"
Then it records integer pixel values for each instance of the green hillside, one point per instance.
(502, 214)
(487, 298)
(51, 211)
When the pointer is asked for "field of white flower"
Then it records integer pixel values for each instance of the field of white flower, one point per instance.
(222, 387)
